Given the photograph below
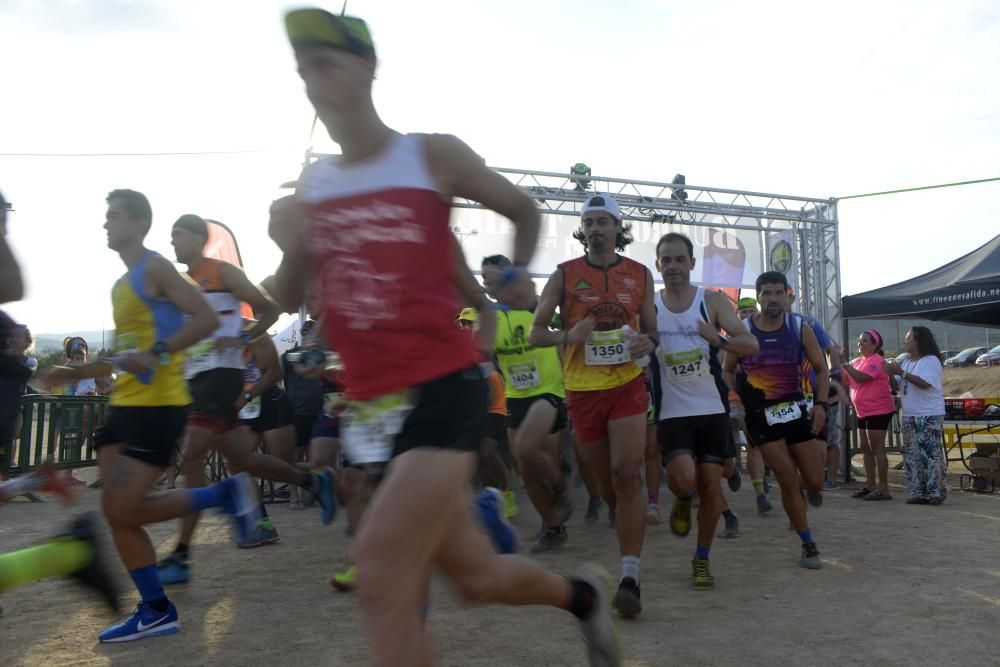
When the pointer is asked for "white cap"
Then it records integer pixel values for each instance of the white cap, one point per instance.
(604, 203)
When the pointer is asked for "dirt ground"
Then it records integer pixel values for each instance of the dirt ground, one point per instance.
(901, 585)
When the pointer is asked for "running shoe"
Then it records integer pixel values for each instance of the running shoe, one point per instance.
(878, 495)
(732, 525)
(735, 480)
(174, 570)
(326, 496)
(563, 507)
(831, 486)
(73, 480)
(552, 538)
(680, 517)
(144, 622)
(346, 580)
(701, 574)
(604, 647)
(489, 504)
(653, 515)
(861, 493)
(810, 557)
(264, 533)
(240, 502)
(763, 505)
(815, 498)
(917, 501)
(935, 500)
(627, 601)
(95, 574)
(593, 511)
(509, 504)
(55, 484)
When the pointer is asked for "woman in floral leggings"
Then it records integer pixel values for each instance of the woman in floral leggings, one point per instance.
(923, 417)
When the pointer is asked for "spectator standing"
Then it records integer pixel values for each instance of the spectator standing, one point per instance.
(923, 417)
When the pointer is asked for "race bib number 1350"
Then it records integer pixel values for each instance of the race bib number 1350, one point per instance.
(606, 348)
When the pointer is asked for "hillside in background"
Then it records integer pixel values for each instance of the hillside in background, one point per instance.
(50, 341)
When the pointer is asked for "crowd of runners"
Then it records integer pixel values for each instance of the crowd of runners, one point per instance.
(431, 385)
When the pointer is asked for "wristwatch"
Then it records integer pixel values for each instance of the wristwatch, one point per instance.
(247, 396)
(246, 337)
(160, 348)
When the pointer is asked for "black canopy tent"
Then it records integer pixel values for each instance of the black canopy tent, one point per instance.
(964, 291)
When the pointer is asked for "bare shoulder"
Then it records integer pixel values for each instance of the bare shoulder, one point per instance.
(450, 160)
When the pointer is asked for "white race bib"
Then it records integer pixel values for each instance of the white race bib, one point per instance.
(125, 343)
(525, 375)
(333, 403)
(606, 348)
(200, 358)
(368, 429)
(251, 410)
(684, 367)
(782, 413)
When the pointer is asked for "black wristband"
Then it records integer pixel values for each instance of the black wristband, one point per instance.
(824, 404)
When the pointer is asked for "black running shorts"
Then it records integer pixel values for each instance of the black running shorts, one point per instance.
(149, 435)
(214, 393)
(876, 422)
(759, 432)
(448, 413)
(517, 409)
(275, 412)
(708, 438)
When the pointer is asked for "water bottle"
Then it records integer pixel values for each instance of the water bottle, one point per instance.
(629, 334)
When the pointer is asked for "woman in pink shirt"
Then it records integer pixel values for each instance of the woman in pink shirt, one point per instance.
(872, 396)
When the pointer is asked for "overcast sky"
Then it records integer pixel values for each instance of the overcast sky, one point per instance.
(817, 99)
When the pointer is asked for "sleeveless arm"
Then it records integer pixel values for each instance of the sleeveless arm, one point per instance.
(741, 341)
(165, 280)
(264, 309)
(541, 335)
(460, 172)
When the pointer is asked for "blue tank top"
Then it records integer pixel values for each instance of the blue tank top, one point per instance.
(774, 373)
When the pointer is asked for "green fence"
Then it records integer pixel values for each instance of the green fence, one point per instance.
(59, 429)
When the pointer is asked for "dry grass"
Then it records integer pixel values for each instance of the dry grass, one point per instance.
(982, 382)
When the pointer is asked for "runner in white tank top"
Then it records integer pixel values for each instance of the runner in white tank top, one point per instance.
(692, 419)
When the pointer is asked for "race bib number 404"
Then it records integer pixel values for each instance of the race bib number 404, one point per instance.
(524, 375)
(368, 429)
(782, 413)
(606, 348)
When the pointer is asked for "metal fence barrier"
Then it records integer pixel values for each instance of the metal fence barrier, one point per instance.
(59, 429)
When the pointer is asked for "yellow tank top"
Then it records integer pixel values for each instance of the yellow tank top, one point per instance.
(140, 321)
(527, 370)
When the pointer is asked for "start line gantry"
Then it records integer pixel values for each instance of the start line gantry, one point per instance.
(737, 234)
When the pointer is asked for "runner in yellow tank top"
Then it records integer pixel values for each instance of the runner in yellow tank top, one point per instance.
(147, 412)
(536, 409)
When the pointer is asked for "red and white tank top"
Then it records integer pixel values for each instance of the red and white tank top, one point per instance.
(382, 257)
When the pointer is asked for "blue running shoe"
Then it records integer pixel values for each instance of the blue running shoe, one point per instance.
(144, 622)
(241, 503)
(173, 570)
(327, 499)
(489, 503)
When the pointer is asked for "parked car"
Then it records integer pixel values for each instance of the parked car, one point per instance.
(966, 357)
(991, 358)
